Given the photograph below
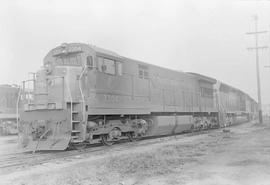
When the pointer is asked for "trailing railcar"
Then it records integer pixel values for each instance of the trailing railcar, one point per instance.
(85, 94)
(234, 106)
(252, 108)
(8, 109)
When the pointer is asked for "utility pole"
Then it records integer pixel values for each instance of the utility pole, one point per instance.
(269, 70)
(257, 48)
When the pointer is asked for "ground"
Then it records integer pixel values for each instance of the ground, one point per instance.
(236, 155)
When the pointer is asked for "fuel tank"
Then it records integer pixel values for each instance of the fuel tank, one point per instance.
(166, 125)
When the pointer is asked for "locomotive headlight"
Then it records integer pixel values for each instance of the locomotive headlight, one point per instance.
(48, 67)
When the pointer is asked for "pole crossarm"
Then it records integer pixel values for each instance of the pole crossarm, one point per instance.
(258, 47)
(256, 32)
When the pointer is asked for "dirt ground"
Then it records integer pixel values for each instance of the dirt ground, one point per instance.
(239, 156)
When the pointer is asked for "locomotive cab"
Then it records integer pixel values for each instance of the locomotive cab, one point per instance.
(55, 108)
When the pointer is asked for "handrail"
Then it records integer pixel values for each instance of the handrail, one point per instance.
(17, 109)
(27, 92)
(32, 91)
(82, 95)
(71, 102)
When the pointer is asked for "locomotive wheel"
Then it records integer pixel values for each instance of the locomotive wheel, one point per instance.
(131, 137)
(110, 138)
(192, 129)
(105, 140)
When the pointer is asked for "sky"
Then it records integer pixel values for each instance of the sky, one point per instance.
(206, 37)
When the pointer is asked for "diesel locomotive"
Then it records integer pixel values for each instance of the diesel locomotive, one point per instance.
(9, 95)
(84, 94)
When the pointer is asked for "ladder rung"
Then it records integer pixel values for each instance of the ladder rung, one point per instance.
(74, 137)
(76, 141)
(75, 112)
(40, 93)
(73, 102)
(75, 131)
(74, 121)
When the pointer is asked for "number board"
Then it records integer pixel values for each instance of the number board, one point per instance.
(66, 50)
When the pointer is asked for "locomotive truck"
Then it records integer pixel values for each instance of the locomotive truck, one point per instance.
(84, 94)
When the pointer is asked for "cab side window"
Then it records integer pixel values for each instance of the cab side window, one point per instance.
(106, 65)
(119, 69)
(143, 71)
(89, 62)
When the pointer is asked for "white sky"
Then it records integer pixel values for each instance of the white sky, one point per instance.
(206, 37)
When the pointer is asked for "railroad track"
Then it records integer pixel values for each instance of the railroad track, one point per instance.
(29, 159)
(16, 160)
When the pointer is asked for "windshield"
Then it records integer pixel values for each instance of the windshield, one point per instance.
(69, 60)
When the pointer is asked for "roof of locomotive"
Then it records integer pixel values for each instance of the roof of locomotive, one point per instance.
(109, 53)
(83, 47)
(7, 86)
(105, 51)
(102, 51)
(204, 78)
(231, 88)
